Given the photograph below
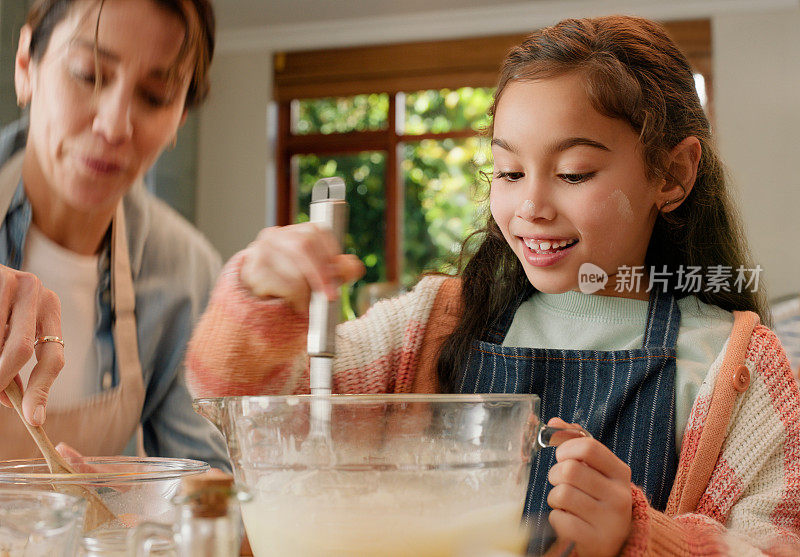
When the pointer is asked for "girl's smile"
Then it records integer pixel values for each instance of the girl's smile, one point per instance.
(546, 252)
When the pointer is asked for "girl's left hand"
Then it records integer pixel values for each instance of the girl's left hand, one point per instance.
(591, 496)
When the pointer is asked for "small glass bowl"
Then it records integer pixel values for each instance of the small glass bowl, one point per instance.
(135, 489)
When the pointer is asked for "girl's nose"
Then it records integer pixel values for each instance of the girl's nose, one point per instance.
(113, 117)
(535, 206)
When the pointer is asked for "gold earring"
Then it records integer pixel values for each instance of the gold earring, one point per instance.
(671, 201)
(21, 103)
(174, 142)
(676, 200)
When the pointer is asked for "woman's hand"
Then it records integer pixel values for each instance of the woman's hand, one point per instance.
(289, 262)
(29, 310)
(591, 496)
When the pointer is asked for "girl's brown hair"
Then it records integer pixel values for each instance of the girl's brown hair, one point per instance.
(198, 45)
(634, 72)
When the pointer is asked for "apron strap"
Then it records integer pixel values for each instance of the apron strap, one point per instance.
(126, 344)
(497, 331)
(663, 320)
(123, 304)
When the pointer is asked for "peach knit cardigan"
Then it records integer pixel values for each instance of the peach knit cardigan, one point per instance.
(737, 490)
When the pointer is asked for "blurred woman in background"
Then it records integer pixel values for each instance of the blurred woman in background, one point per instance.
(108, 83)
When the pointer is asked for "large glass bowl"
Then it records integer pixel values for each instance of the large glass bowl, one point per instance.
(393, 475)
(135, 489)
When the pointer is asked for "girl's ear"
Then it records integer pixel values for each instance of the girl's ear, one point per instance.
(682, 172)
(22, 67)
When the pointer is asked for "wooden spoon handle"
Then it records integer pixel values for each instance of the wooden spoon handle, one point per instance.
(55, 461)
(97, 512)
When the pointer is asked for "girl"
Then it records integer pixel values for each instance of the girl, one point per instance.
(607, 196)
(108, 83)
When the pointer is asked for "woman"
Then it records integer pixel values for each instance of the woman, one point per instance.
(108, 84)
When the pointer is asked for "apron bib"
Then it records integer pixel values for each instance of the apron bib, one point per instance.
(624, 398)
(104, 423)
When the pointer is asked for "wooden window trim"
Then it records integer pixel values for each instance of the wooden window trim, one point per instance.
(361, 141)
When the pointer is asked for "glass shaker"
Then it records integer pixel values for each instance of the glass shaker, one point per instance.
(208, 519)
(118, 542)
(39, 523)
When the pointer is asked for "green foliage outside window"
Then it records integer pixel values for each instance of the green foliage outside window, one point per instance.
(446, 110)
(443, 195)
(341, 115)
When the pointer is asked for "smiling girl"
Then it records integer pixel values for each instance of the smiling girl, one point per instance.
(602, 156)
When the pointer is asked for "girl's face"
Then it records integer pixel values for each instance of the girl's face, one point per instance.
(569, 184)
(89, 147)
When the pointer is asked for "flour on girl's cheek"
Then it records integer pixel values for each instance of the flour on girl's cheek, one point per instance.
(619, 203)
(622, 203)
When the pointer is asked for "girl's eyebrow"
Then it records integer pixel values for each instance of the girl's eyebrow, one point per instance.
(558, 147)
(570, 142)
(503, 144)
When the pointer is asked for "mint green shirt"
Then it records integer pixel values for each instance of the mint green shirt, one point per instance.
(577, 321)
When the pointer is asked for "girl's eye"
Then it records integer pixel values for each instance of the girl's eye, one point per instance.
(576, 178)
(509, 176)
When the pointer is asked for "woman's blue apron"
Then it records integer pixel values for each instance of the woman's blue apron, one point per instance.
(624, 398)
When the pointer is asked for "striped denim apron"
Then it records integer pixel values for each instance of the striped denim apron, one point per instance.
(624, 398)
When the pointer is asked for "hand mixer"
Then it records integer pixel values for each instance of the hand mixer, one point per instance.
(328, 208)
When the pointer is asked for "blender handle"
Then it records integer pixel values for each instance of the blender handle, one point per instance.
(329, 209)
(548, 436)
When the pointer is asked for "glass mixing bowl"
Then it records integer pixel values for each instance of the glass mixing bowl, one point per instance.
(392, 475)
(135, 489)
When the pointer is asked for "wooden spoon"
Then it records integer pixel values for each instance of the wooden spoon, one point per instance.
(97, 513)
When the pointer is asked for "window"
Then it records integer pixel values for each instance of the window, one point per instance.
(401, 124)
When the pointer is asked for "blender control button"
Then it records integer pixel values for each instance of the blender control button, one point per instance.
(741, 378)
(106, 380)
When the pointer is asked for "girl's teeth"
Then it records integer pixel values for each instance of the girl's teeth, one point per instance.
(545, 246)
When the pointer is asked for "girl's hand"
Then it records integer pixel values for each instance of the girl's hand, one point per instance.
(289, 262)
(591, 496)
(28, 310)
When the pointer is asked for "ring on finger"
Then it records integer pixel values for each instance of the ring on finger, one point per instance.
(48, 338)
